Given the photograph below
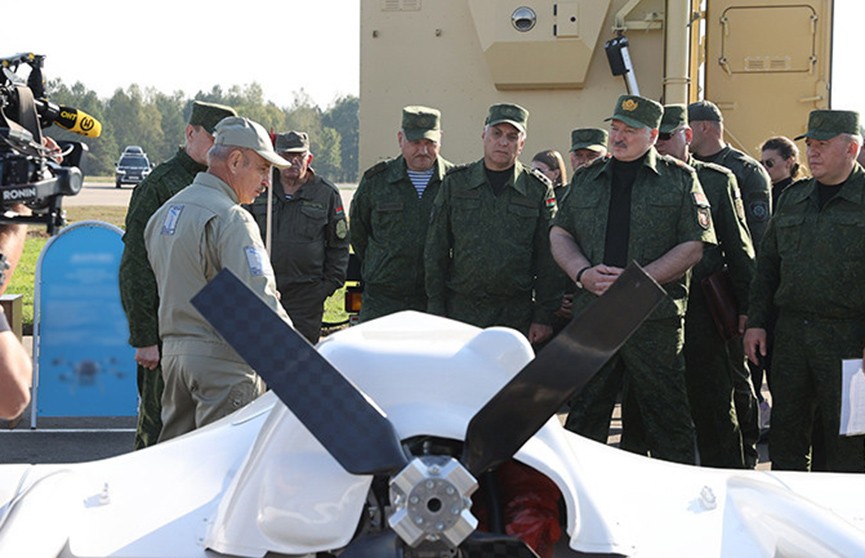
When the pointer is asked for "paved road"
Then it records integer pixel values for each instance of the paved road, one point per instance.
(106, 194)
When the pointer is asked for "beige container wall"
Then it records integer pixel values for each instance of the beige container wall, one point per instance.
(461, 56)
(767, 66)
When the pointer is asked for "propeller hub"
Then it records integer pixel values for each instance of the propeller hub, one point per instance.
(431, 501)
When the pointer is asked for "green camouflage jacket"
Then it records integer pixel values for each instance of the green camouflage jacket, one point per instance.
(137, 283)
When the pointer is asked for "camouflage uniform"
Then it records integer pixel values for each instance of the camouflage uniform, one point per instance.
(388, 230)
(756, 188)
(812, 265)
(668, 209)
(309, 249)
(708, 363)
(138, 285)
(488, 259)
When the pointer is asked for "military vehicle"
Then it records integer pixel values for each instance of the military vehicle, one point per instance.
(766, 64)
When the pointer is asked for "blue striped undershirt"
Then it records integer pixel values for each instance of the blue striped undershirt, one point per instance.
(420, 179)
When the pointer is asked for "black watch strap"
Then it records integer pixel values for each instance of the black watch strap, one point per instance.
(580, 276)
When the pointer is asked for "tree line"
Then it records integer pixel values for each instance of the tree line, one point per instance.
(156, 121)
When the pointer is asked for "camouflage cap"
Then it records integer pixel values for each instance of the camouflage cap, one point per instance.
(292, 142)
(208, 115)
(637, 112)
(826, 124)
(674, 117)
(421, 123)
(595, 139)
(704, 110)
(243, 132)
(515, 115)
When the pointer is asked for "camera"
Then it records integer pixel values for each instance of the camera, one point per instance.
(29, 173)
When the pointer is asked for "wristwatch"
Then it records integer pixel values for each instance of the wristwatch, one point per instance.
(580, 276)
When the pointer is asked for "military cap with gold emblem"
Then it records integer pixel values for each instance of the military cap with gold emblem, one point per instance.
(421, 123)
(506, 113)
(594, 139)
(638, 112)
(826, 124)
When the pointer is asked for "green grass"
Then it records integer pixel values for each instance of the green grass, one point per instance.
(23, 281)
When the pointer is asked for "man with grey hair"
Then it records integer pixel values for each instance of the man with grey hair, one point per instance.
(390, 215)
(811, 267)
(487, 257)
(197, 233)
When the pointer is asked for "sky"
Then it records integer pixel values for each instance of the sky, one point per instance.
(189, 45)
(285, 46)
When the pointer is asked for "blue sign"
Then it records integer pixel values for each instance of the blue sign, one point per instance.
(84, 363)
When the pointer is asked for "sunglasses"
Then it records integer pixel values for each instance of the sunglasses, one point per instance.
(768, 163)
(665, 136)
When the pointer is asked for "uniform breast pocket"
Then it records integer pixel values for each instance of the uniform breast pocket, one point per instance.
(849, 242)
(387, 216)
(314, 221)
(788, 233)
(521, 222)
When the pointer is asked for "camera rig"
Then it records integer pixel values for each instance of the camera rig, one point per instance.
(30, 171)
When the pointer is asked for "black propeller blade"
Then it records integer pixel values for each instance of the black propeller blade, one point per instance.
(354, 431)
(562, 368)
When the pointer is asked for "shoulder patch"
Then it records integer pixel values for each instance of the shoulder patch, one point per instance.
(172, 216)
(375, 169)
(256, 259)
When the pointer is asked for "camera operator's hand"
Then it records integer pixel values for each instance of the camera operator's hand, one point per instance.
(52, 149)
(148, 357)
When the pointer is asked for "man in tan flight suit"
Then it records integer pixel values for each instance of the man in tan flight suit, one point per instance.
(197, 233)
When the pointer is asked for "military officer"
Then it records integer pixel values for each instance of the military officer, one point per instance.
(309, 236)
(812, 266)
(390, 215)
(708, 367)
(587, 144)
(198, 232)
(487, 259)
(707, 124)
(638, 206)
(137, 284)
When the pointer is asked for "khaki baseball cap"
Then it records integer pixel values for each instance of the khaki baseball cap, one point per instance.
(637, 112)
(421, 123)
(674, 117)
(243, 132)
(594, 139)
(826, 124)
(515, 115)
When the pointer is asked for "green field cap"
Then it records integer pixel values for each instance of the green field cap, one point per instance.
(292, 142)
(826, 124)
(208, 115)
(421, 123)
(674, 117)
(594, 139)
(243, 132)
(637, 112)
(704, 110)
(515, 115)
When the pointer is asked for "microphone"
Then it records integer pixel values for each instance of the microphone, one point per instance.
(78, 121)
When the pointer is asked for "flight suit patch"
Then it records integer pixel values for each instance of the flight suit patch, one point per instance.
(255, 259)
(169, 225)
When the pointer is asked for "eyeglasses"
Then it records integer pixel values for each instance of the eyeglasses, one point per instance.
(665, 136)
(768, 163)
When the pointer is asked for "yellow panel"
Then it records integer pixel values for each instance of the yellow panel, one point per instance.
(567, 20)
(749, 45)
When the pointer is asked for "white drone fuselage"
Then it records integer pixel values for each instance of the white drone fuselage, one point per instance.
(258, 481)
